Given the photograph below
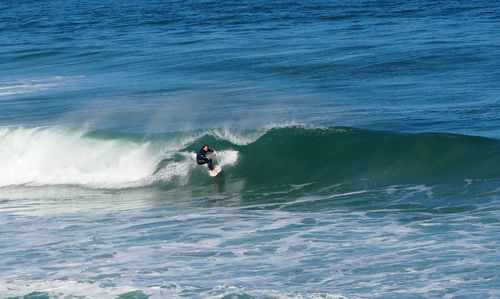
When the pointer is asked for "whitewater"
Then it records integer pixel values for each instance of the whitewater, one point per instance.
(62, 156)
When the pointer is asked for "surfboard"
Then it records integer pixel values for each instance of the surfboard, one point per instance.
(216, 171)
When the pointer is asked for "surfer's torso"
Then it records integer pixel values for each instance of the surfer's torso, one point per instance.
(201, 156)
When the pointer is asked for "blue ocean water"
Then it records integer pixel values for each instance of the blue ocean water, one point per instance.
(359, 142)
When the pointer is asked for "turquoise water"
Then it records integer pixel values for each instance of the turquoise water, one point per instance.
(359, 143)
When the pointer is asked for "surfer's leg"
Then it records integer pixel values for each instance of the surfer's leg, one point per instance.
(210, 165)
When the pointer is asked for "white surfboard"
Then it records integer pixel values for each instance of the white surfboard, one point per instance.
(216, 171)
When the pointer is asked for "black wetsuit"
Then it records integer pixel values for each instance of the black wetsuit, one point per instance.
(201, 158)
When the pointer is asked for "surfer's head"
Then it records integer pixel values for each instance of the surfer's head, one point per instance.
(205, 147)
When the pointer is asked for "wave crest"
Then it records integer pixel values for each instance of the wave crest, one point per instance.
(271, 156)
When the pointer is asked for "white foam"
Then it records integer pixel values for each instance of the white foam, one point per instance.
(70, 288)
(409, 190)
(228, 157)
(223, 291)
(178, 170)
(49, 156)
(29, 85)
(60, 156)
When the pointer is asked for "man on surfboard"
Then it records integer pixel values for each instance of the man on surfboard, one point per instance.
(201, 157)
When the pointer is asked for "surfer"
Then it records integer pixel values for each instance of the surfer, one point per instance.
(201, 157)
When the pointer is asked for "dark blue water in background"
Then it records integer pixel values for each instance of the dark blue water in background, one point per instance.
(167, 66)
(358, 141)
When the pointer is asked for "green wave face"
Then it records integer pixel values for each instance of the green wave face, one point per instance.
(253, 159)
(336, 155)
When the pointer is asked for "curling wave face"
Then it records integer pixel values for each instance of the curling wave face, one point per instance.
(279, 155)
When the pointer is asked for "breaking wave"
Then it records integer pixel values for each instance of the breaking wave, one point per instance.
(275, 155)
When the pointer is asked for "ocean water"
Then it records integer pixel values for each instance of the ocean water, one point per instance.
(359, 141)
